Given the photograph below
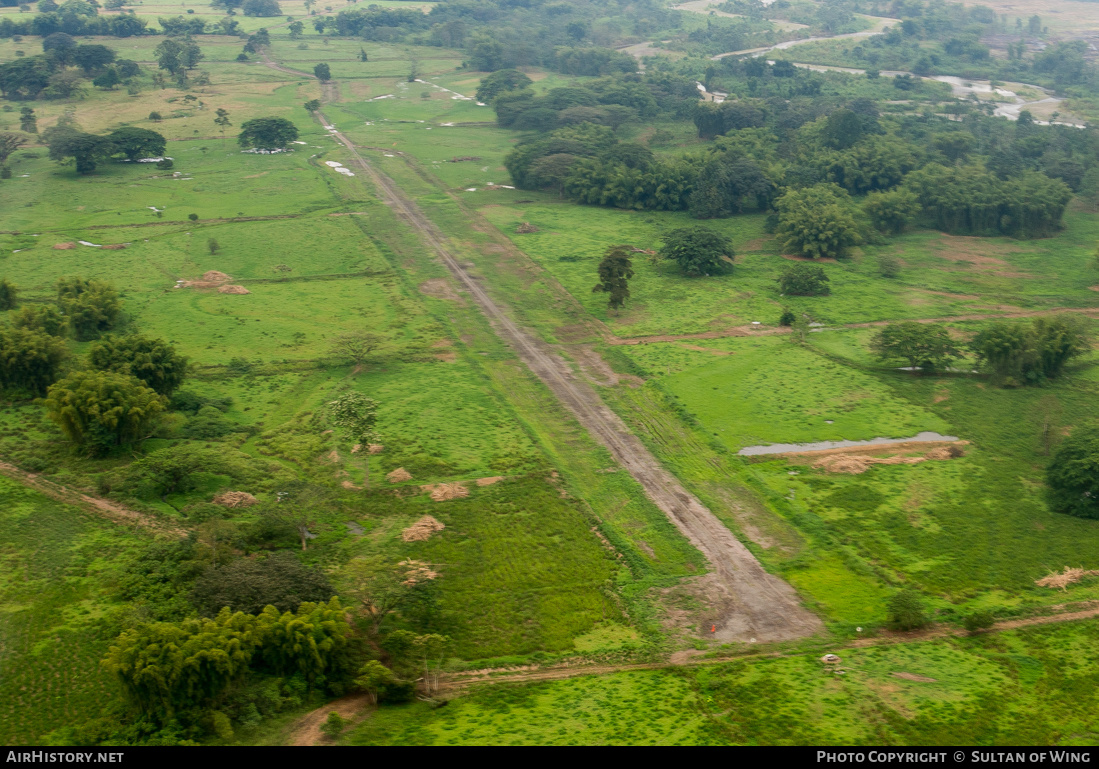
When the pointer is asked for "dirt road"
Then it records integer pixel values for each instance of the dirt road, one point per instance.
(753, 605)
(101, 507)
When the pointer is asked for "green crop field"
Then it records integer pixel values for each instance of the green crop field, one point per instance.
(482, 515)
(1018, 688)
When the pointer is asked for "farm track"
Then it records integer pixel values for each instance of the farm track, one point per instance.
(754, 605)
(100, 507)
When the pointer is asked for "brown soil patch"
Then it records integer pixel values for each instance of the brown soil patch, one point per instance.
(63, 246)
(914, 677)
(440, 288)
(398, 475)
(213, 276)
(446, 357)
(308, 732)
(114, 246)
(233, 290)
(940, 396)
(1093, 288)
(598, 371)
(1065, 578)
(854, 464)
(489, 481)
(422, 530)
(375, 448)
(332, 456)
(526, 228)
(350, 486)
(235, 499)
(441, 492)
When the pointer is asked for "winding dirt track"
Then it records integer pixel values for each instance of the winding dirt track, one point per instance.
(754, 605)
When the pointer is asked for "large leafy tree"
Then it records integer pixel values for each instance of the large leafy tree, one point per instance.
(30, 359)
(153, 361)
(137, 143)
(174, 469)
(803, 280)
(165, 668)
(615, 271)
(177, 55)
(891, 212)
(310, 641)
(499, 82)
(1027, 353)
(9, 143)
(698, 250)
(92, 306)
(356, 415)
(43, 317)
(92, 58)
(322, 72)
(267, 133)
(9, 295)
(101, 410)
(249, 584)
(921, 345)
(817, 221)
(1072, 477)
(87, 150)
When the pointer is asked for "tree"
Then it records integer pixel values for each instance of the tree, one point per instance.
(333, 726)
(552, 171)
(213, 246)
(86, 149)
(1072, 477)
(615, 271)
(322, 72)
(499, 82)
(431, 648)
(842, 129)
(1022, 353)
(906, 611)
(29, 359)
(817, 221)
(9, 295)
(167, 667)
(803, 280)
(108, 80)
(136, 143)
(260, 8)
(177, 56)
(922, 346)
(25, 78)
(27, 120)
(891, 212)
(92, 58)
(92, 306)
(356, 415)
(60, 46)
(373, 677)
(267, 133)
(362, 55)
(356, 346)
(312, 105)
(296, 28)
(173, 470)
(250, 584)
(9, 143)
(44, 317)
(698, 250)
(101, 410)
(310, 641)
(153, 361)
(222, 121)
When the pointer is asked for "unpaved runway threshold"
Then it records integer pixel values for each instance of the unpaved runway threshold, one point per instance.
(753, 604)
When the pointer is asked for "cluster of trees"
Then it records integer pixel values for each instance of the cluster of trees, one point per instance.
(62, 70)
(73, 17)
(68, 143)
(182, 26)
(1012, 353)
(833, 175)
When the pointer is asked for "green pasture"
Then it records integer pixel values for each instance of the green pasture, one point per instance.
(767, 390)
(1025, 687)
(57, 570)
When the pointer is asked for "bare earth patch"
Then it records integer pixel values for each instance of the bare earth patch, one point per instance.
(440, 288)
(490, 480)
(1065, 578)
(441, 492)
(852, 461)
(235, 499)
(914, 677)
(398, 475)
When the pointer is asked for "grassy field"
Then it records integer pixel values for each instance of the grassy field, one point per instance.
(1026, 687)
(58, 566)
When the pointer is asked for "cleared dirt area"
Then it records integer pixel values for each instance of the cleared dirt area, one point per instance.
(754, 604)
